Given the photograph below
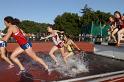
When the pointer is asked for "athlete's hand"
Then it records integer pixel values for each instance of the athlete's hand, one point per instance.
(42, 38)
(62, 32)
(79, 50)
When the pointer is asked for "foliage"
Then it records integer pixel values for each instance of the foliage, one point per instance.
(69, 22)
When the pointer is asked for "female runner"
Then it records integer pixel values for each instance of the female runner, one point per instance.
(24, 44)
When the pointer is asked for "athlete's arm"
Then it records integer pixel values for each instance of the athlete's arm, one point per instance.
(75, 45)
(47, 37)
(8, 35)
(115, 25)
(65, 44)
(59, 31)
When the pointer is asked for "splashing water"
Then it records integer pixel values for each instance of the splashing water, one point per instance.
(75, 65)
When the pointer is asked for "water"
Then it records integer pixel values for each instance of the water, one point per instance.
(77, 66)
(74, 65)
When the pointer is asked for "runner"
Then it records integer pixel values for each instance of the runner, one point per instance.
(112, 30)
(121, 29)
(69, 44)
(3, 45)
(58, 44)
(18, 34)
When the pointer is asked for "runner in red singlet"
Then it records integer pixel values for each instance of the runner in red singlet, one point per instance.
(25, 45)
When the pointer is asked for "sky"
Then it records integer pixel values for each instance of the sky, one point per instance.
(45, 11)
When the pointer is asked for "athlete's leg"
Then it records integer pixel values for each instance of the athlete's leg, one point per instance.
(63, 53)
(51, 53)
(3, 55)
(32, 54)
(120, 32)
(14, 58)
(69, 54)
(113, 34)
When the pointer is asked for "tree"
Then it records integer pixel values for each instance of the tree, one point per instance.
(86, 9)
(89, 16)
(33, 27)
(69, 22)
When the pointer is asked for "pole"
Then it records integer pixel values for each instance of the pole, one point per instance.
(101, 31)
(91, 33)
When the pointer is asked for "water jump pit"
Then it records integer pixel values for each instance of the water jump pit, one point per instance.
(78, 66)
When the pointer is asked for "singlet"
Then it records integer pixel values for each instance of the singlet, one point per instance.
(69, 47)
(118, 23)
(122, 26)
(19, 37)
(56, 39)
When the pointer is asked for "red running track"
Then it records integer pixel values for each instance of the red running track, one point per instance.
(46, 46)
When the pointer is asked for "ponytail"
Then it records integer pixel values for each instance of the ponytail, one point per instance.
(13, 21)
(16, 21)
